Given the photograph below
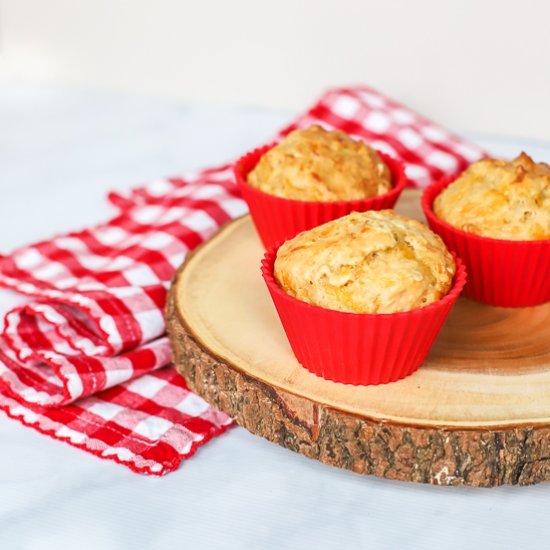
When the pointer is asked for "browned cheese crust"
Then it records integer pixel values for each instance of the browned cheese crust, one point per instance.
(368, 262)
(320, 165)
(500, 199)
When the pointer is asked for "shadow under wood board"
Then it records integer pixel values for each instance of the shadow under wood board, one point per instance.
(476, 413)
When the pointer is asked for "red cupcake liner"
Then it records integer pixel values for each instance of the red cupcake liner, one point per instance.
(500, 272)
(278, 219)
(357, 348)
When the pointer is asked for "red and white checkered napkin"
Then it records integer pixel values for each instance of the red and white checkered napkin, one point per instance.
(86, 360)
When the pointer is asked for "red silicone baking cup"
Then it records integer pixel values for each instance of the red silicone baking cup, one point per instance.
(278, 219)
(500, 272)
(357, 348)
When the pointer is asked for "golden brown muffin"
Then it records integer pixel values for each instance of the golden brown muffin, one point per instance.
(319, 165)
(500, 199)
(366, 262)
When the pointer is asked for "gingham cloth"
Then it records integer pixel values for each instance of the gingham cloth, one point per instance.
(86, 360)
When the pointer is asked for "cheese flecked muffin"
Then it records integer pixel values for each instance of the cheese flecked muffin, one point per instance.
(499, 199)
(319, 165)
(366, 262)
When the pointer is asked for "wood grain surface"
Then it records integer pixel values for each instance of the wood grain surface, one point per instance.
(476, 413)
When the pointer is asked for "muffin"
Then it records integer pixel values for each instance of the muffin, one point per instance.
(500, 199)
(320, 165)
(362, 298)
(496, 217)
(368, 262)
(312, 177)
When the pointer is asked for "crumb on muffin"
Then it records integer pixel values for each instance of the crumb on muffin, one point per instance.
(320, 165)
(499, 199)
(366, 262)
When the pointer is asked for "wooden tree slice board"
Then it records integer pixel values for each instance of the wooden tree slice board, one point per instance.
(476, 413)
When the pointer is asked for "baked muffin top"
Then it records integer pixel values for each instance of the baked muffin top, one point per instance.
(500, 199)
(320, 165)
(366, 262)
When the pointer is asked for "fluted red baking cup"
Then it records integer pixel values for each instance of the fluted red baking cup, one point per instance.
(501, 272)
(278, 219)
(357, 348)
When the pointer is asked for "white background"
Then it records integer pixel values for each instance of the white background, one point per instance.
(474, 65)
